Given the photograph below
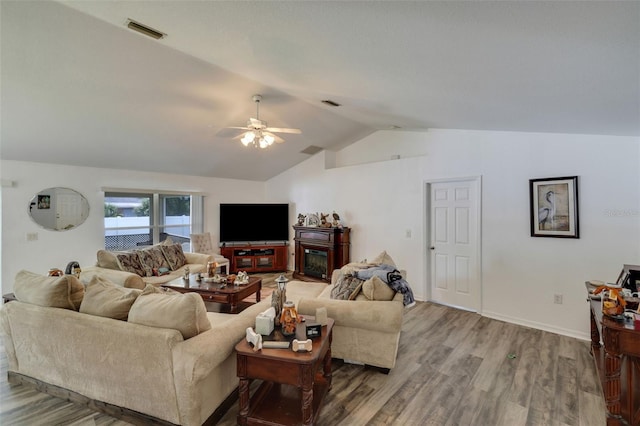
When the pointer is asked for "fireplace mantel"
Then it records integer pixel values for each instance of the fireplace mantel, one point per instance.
(334, 241)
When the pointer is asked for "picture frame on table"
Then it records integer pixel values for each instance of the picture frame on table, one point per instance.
(554, 207)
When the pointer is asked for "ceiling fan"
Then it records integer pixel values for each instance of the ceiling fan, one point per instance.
(258, 134)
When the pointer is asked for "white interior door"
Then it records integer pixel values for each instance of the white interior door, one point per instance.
(454, 217)
(68, 210)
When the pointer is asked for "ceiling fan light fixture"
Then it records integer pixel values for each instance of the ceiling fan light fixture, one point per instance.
(248, 138)
(269, 139)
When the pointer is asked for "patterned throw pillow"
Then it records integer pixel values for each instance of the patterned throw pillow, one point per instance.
(347, 287)
(152, 258)
(130, 262)
(174, 255)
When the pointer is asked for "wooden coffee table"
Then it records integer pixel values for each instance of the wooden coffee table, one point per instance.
(294, 383)
(229, 295)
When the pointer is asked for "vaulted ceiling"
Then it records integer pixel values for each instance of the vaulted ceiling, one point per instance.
(79, 87)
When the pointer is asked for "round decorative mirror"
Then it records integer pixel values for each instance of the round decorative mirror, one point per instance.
(58, 209)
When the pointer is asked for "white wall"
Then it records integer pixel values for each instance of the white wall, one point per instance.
(383, 200)
(56, 249)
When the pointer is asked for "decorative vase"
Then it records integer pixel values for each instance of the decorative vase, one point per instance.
(613, 302)
(289, 318)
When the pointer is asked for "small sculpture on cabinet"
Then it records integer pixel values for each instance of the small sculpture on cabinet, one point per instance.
(301, 218)
(323, 220)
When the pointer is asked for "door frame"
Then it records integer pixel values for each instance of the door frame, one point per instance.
(477, 181)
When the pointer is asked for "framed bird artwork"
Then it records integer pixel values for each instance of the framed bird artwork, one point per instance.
(554, 207)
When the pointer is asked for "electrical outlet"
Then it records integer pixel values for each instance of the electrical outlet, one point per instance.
(407, 233)
(32, 236)
(557, 299)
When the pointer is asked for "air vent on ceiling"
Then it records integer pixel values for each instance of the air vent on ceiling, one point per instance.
(330, 103)
(143, 29)
(311, 150)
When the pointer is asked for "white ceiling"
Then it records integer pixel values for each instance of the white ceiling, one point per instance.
(78, 87)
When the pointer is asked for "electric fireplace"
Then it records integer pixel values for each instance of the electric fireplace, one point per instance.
(315, 263)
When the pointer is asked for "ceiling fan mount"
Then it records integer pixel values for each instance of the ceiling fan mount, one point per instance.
(257, 133)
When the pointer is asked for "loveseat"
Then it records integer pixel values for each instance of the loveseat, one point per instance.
(365, 331)
(136, 268)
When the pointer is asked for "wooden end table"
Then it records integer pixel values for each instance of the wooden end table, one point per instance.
(230, 294)
(294, 383)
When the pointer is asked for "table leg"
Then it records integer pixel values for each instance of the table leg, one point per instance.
(258, 296)
(307, 395)
(243, 395)
(612, 366)
(326, 367)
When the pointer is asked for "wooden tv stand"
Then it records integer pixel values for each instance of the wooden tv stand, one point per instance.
(256, 257)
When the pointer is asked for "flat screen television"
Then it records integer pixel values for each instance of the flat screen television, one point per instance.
(248, 223)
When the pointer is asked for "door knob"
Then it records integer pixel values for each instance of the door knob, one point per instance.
(432, 248)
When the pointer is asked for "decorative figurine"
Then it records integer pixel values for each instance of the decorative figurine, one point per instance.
(323, 220)
(301, 218)
(336, 220)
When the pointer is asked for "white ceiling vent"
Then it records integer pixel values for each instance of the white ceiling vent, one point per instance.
(144, 29)
(311, 150)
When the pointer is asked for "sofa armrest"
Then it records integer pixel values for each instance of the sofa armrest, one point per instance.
(194, 358)
(385, 316)
(122, 278)
(200, 258)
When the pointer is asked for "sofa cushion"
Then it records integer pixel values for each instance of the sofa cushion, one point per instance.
(376, 289)
(346, 287)
(130, 262)
(56, 292)
(152, 258)
(156, 307)
(383, 259)
(174, 255)
(106, 299)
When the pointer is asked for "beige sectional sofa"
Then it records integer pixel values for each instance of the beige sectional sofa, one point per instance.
(147, 369)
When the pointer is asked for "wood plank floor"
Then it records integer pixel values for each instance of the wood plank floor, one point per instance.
(453, 368)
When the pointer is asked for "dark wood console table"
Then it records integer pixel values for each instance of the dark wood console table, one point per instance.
(618, 365)
(333, 242)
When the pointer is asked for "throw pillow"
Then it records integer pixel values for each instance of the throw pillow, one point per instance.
(106, 299)
(107, 259)
(130, 262)
(383, 259)
(346, 287)
(376, 289)
(174, 255)
(56, 292)
(152, 258)
(184, 312)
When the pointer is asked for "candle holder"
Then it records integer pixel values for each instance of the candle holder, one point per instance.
(279, 296)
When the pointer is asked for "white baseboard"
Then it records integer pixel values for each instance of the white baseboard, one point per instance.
(538, 325)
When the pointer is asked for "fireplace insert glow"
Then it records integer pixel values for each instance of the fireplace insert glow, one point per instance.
(315, 263)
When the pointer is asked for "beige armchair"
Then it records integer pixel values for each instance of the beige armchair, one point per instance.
(201, 243)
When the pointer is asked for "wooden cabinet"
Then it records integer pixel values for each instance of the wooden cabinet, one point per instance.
(256, 258)
(618, 365)
(319, 251)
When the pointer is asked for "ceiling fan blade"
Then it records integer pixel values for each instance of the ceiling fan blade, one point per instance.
(240, 136)
(228, 132)
(283, 130)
